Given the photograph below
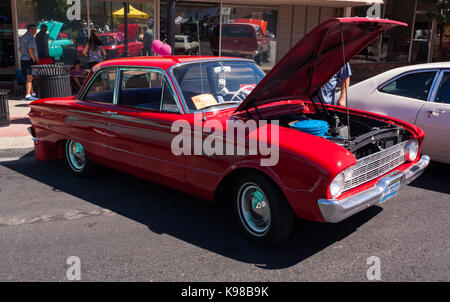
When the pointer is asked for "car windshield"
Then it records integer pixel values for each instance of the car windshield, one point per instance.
(210, 85)
(107, 40)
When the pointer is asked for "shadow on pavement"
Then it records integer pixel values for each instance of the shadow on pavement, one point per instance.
(22, 120)
(436, 177)
(166, 211)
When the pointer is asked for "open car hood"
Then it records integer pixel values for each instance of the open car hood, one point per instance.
(54, 30)
(315, 59)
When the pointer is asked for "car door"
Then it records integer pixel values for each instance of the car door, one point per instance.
(87, 120)
(139, 129)
(403, 96)
(434, 119)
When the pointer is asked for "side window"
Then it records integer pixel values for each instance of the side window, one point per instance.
(147, 90)
(443, 92)
(102, 88)
(414, 85)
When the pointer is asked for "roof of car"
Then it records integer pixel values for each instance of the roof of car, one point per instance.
(427, 65)
(163, 62)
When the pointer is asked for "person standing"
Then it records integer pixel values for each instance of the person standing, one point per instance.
(29, 57)
(147, 41)
(328, 92)
(42, 42)
(94, 50)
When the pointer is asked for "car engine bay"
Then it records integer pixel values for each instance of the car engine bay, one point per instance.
(363, 136)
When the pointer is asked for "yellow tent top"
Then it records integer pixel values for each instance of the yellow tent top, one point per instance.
(133, 13)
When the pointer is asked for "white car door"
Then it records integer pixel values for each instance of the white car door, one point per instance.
(434, 119)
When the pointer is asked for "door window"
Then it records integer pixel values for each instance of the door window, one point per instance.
(101, 88)
(414, 85)
(147, 90)
(443, 92)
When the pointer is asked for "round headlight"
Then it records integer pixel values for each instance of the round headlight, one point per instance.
(337, 185)
(412, 150)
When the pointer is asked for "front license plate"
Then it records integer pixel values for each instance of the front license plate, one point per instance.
(390, 191)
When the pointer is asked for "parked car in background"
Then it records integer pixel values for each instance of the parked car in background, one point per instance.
(114, 45)
(418, 94)
(242, 40)
(186, 45)
(57, 39)
(124, 118)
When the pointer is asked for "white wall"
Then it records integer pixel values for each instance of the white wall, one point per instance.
(294, 21)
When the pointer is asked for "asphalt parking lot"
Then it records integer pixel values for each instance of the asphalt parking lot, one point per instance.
(126, 229)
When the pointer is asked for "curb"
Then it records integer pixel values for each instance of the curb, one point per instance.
(11, 154)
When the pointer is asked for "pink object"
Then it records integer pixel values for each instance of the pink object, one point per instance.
(156, 45)
(165, 50)
(161, 49)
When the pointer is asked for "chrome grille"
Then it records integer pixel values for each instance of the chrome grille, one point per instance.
(374, 165)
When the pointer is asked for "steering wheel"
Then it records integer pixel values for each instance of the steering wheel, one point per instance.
(242, 93)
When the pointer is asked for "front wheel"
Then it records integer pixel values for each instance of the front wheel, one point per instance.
(262, 211)
(77, 159)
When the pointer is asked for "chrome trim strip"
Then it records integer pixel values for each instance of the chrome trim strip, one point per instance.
(334, 210)
(435, 85)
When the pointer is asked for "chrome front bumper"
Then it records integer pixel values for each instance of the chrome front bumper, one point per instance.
(334, 210)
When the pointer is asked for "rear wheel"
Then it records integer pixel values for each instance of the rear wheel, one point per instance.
(262, 211)
(77, 159)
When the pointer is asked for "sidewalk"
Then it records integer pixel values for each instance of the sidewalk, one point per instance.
(16, 136)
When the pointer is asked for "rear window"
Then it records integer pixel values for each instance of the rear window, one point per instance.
(236, 31)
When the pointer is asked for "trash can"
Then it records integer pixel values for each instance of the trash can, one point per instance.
(53, 80)
(4, 107)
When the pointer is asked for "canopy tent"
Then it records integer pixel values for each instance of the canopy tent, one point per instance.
(132, 13)
(191, 21)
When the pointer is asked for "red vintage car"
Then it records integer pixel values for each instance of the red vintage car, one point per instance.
(331, 162)
(113, 43)
(241, 40)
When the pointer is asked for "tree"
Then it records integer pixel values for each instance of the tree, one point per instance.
(440, 17)
(52, 9)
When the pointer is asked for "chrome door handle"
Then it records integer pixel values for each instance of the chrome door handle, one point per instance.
(435, 112)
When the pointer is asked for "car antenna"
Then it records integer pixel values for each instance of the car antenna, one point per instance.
(346, 73)
(201, 70)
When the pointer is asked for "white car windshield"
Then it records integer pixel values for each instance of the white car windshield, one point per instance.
(210, 85)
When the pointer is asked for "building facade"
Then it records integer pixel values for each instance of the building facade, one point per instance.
(278, 24)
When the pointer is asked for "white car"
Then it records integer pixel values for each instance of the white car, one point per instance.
(186, 45)
(418, 94)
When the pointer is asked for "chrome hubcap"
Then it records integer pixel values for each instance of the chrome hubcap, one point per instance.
(77, 157)
(255, 209)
